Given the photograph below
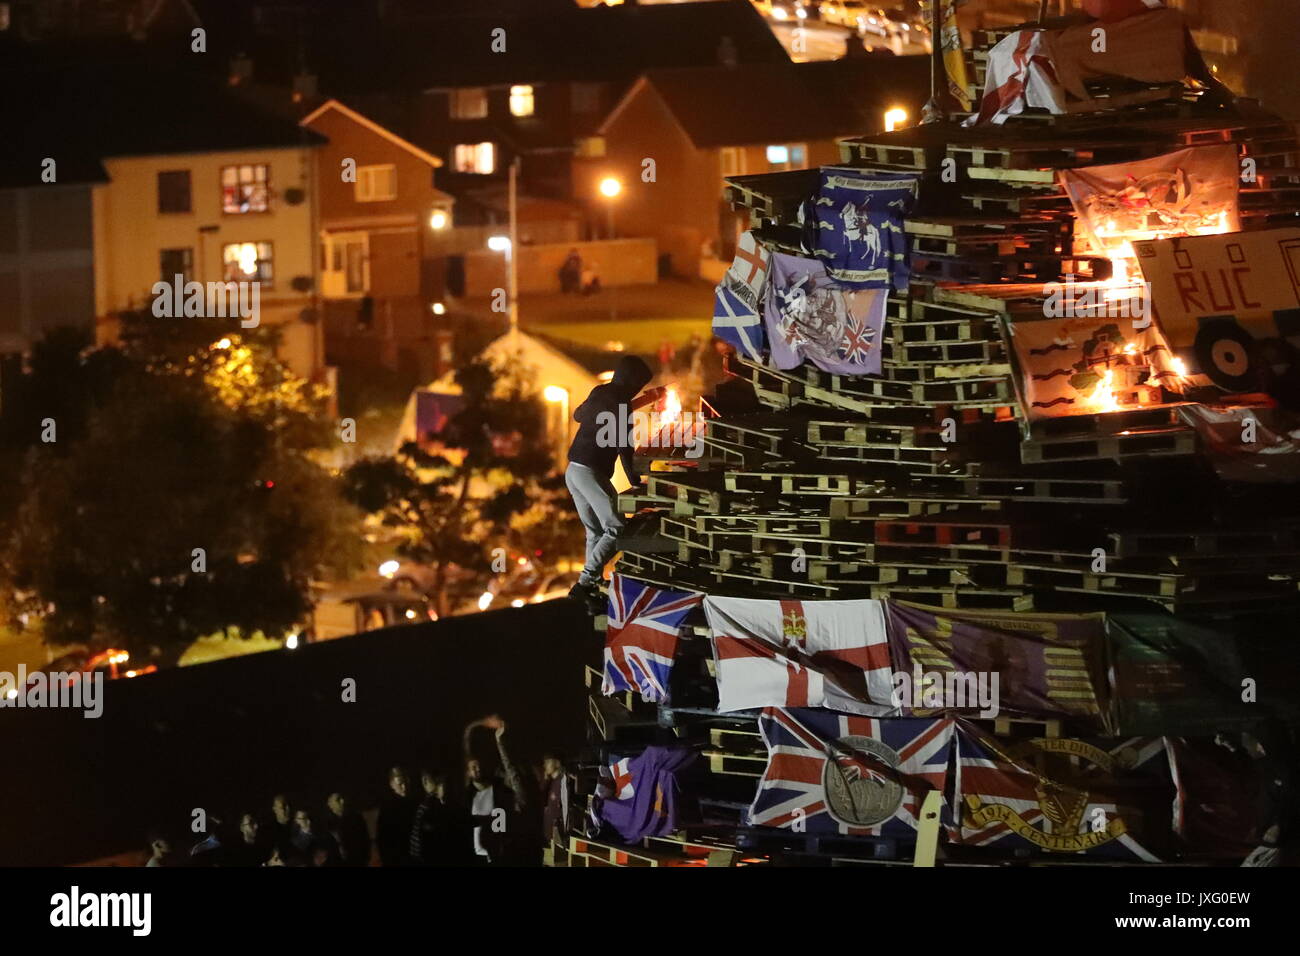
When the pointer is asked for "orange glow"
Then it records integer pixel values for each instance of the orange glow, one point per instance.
(1103, 396)
(672, 406)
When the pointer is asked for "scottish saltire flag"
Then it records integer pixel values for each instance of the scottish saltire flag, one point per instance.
(834, 773)
(770, 653)
(811, 317)
(641, 796)
(641, 637)
(857, 226)
(1107, 797)
(737, 300)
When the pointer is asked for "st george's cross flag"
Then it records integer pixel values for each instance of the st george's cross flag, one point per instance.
(771, 653)
(737, 300)
(1110, 797)
(641, 637)
(833, 773)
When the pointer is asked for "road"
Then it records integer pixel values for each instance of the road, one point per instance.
(814, 40)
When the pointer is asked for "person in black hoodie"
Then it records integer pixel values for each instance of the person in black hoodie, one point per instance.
(605, 426)
(396, 816)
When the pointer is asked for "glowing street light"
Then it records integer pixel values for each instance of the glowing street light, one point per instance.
(389, 568)
(484, 600)
(610, 187)
(438, 219)
(895, 118)
(555, 393)
(291, 642)
(499, 243)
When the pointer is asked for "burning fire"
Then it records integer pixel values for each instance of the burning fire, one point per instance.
(1103, 396)
(672, 409)
(1117, 245)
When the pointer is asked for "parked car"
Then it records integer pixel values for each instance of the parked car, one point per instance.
(784, 10)
(112, 663)
(856, 15)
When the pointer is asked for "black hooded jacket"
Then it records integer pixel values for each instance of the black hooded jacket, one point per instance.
(607, 410)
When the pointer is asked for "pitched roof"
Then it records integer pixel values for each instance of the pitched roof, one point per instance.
(730, 106)
(82, 112)
(354, 116)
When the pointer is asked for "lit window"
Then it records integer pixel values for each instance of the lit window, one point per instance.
(787, 156)
(480, 158)
(245, 189)
(248, 262)
(176, 262)
(521, 101)
(591, 147)
(469, 103)
(376, 183)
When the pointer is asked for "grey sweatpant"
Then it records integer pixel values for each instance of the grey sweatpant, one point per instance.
(596, 502)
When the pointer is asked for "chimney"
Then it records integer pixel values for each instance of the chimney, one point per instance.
(727, 53)
(304, 87)
(241, 69)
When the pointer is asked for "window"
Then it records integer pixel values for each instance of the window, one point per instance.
(376, 183)
(478, 158)
(787, 156)
(176, 262)
(248, 262)
(521, 101)
(591, 147)
(469, 103)
(245, 189)
(733, 161)
(584, 98)
(174, 190)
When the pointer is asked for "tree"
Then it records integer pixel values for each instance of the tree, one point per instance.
(182, 503)
(452, 505)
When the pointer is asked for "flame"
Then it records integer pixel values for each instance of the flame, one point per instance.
(672, 406)
(1103, 396)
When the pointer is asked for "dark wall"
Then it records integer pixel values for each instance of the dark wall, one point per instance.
(226, 736)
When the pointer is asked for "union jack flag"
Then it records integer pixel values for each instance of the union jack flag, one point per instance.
(1060, 795)
(859, 340)
(835, 773)
(641, 637)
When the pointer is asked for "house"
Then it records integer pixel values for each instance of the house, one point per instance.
(562, 381)
(378, 213)
(430, 72)
(104, 196)
(703, 124)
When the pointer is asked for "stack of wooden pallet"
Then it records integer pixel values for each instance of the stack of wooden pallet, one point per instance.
(927, 483)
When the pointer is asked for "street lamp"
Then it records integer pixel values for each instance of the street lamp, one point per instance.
(438, 219)
(610, 188)
(559, 395)
(895, 118)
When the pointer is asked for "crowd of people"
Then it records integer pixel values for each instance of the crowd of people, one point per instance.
(494, 815)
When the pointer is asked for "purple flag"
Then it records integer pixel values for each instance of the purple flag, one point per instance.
(811, 317)
(1045, 664)
(638, 796)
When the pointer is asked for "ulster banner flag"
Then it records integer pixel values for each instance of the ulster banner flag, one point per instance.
(831, 773)
(831, 654)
